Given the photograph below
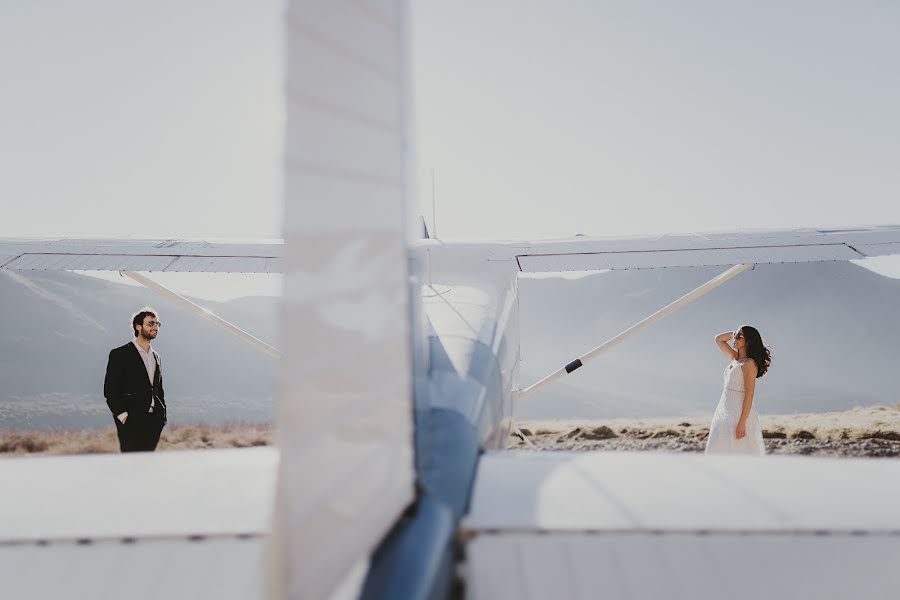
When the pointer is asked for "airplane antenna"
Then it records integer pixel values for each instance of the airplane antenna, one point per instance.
(433, 209)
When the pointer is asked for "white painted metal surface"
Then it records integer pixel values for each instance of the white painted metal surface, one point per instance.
(578, 566)
(638, 327)
(879, 235)
(879, 249)
(646, 259)
(656, 525)
(315, 179)
(226, 264)
(115, 496)
(174, 569)
(106, 262)
(706, 249)
(345, 414)
(482, 314)
(142, 255)
(655, 491)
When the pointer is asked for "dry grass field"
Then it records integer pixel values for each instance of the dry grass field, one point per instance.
(179, 437)
(869, 431)
(865, 431)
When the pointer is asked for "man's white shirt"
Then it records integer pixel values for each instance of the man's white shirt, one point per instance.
(150, 364)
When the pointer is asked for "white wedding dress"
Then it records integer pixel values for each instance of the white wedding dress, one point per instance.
(724, 422)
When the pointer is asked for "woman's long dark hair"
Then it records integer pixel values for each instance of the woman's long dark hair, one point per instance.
(756, 350)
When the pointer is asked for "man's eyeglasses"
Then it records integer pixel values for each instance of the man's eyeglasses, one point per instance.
(154, 323)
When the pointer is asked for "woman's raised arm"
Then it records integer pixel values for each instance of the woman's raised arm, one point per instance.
(722, 342)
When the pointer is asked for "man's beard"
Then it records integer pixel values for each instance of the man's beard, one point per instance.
(146, 335)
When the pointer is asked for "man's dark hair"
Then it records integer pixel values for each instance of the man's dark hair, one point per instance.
(138, 319)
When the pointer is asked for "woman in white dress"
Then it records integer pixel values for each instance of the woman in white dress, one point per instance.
(735, 425)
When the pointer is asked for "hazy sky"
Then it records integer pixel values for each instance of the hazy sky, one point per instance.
(538, 119)
(555, 118)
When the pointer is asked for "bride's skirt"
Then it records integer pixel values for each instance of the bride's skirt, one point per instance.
(724, 422)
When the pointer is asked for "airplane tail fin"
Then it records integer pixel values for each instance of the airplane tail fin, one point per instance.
(345, 407)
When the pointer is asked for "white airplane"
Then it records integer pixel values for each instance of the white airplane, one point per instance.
(390, 478)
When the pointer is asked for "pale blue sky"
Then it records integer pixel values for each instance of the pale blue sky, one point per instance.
(598, 117)
(538, 119)
(140, 118)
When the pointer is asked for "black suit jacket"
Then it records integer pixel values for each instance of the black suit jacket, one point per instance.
(127, 387)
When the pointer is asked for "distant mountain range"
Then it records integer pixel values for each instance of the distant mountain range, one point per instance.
(833, 328)
(59, 328)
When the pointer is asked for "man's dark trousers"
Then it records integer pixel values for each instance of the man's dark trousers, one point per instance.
(128, 389)
(140, 432)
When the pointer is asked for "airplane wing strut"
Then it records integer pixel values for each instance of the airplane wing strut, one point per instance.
(636, 328)
(203, 313)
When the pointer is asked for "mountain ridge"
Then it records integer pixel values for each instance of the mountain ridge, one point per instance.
(831, 326)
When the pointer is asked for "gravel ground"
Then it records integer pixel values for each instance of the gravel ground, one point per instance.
(870, 431)
(870, 447)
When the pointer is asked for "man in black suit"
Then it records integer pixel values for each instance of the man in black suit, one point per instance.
(133, 387)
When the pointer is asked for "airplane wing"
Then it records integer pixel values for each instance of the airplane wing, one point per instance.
(575, 254)
(189, 524)
(686, 250)
(658, 525)
(174, 256)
